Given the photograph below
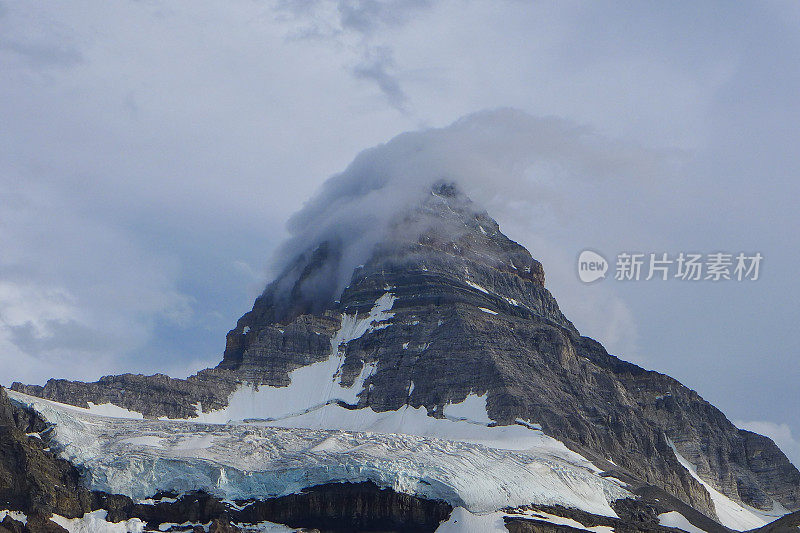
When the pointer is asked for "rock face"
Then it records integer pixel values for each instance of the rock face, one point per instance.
(31, 478)
(471, 315)
(153, 396)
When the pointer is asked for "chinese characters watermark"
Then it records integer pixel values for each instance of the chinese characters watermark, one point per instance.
(683, 266)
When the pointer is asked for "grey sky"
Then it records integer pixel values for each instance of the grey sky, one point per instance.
(151, 153)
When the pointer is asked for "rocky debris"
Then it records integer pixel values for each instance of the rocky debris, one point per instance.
(35, 524)
(471, 316)
(531, 525)
(9, 525)
(635, 516)
(660, 501)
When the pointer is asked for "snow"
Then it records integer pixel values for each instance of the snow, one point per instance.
(527, 424)
(265, 527)
(488, 311)
(462, 521)
(151, 501)
(312, 386)
(166, 526)
(95, 522)
(15, 515)
(560, 521)
(146, 440)
(468, 464)
(476, 286)
(473, 408)
(616, 480)
(104, 409)
(731, 514)
(677, 520)
(109, 409)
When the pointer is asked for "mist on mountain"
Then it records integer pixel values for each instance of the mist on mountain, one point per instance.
(495, 157)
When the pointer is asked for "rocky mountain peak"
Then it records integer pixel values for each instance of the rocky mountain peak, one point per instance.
(442, 249)
(442, 309)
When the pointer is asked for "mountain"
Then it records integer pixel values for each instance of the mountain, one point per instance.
(443, 371)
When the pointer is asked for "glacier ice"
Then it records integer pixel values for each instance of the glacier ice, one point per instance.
(477, 467)
(273, 441)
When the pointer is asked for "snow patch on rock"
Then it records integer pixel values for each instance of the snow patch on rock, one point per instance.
(462, 521)
(109, 409)
(677, 520)
(15, 515)
(730, 513)
(561, 521)
(312, 386)
(265, 527)
(476, 286)
(472, 409)
(95, 522)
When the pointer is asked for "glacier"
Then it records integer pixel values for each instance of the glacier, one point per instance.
(480, 468)
(273, 441)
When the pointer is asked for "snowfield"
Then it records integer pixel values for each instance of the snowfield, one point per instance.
(138, 458)
(273, 441)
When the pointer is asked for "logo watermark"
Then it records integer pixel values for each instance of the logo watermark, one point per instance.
(683, 266)
(591, 266)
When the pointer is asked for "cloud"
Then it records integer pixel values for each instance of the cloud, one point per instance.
(357, 26)
(42, 54)
(37, 43)
(77, 297)
(780, 433)
(504, 159)
(363, 17)
(376, 66)
(597, 310)
(370, 16)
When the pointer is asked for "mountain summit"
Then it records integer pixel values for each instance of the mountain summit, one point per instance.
(444, 330)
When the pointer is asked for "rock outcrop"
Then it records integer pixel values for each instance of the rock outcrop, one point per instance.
(31, 478)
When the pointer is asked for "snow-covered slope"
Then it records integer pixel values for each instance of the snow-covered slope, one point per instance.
(312, 386)
(730, 513)
(677, 520)
(473, 466)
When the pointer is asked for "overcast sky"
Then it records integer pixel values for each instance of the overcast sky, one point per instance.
(151, 153)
